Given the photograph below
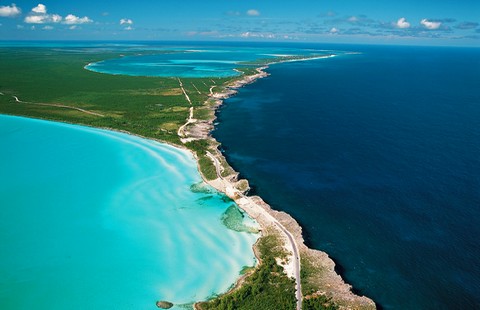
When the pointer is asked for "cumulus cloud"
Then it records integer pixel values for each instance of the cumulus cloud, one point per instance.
(39, 15)
(129, 28)
(43, 19)
(253, 12)
(431, 25)
(35, 19)
(333, 30)
(402, 23)
(71, 19)
(40, 9)
(9, 11)
(126, 21)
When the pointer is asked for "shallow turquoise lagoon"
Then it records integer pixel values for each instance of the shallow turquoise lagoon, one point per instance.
(168, 65)
(94, 219)
(191, 62)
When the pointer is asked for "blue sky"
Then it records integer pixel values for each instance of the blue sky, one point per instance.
(425, 22)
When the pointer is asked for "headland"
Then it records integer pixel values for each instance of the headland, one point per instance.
(319, 278)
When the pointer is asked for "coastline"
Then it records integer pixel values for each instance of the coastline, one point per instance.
(253, 205)
(329, 282)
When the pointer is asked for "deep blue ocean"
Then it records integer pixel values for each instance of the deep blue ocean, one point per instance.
(377, 155)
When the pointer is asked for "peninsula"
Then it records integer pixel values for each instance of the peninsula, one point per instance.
(181, 111)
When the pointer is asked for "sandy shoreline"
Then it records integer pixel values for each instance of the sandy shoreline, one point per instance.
(291, 232)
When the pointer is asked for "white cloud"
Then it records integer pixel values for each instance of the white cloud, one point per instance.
(430, 25)
(9, 11)
(56, 18)
(47, 28)
(257, 35)
(126, 21)
(40, 9)
(71, 19)
(129, 28)
(72, 27)
(333, 30)
(253, 12)
(39, 15)
(36, 19)
(402, 23)
(43, 19)
(20, 27)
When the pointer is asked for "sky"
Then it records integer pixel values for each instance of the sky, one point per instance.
(414, 22)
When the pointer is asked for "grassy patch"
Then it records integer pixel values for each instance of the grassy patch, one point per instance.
(318, 302)
(207, 168)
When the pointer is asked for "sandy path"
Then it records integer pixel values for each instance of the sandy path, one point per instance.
(59, 106)
(211, 90)
(184, 92)
(181, 131)
(196, 89)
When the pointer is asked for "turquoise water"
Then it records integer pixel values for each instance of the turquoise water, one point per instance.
(94, 219)
(182, 65)
(190, 62)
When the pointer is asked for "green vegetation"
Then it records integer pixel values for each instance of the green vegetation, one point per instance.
(318, 302)
(309, 275)
(271, 245)
(148, 106)
(266, 288)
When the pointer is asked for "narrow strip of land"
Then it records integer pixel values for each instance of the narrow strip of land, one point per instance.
(247, 204)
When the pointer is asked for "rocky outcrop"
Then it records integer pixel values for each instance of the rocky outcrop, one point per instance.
(164, 304)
